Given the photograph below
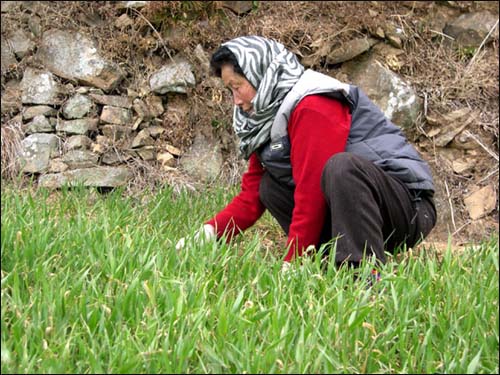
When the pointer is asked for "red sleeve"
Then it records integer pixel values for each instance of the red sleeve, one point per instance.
(318, 128)
(246, 208)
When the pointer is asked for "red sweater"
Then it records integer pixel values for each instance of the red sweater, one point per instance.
(318, 128)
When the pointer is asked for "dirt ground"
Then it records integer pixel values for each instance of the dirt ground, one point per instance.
(446, 77)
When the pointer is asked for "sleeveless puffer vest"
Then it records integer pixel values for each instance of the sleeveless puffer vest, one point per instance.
(372, 135)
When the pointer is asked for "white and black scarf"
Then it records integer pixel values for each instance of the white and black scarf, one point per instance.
(273, 71)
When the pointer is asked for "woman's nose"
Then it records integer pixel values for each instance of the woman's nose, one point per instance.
(237, 100)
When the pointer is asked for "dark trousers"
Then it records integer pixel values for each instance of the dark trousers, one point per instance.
(369, 212)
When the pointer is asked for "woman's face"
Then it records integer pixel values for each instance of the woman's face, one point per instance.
(242, 90)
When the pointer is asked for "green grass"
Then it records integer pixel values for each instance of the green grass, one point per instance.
(93, 284)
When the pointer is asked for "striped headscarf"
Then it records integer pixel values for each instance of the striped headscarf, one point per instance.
(273, 71)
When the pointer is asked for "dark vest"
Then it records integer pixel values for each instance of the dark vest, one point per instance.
(372, 135)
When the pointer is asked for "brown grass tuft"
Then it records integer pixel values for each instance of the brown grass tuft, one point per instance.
(11, 136)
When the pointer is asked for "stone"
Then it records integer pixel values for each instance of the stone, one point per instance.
(36, 151)
(142, 110)
(450, 125)
(238, 7)
(39, 124)
(20, 43)
(142, 139)
(470, 29)
(79, 126)
(124, 21)
(173, 150)
(155, 131)
(112, 100)
(80, 159)
(11, 97)
(394, 96)
(115, 115)
(463, 165)
(203, 160)
(174, 77)
(113, 157)
(77, 107)
(166, 159)
(481, 202)
(350, 50)
(146, 153)
(155, 105)
(77, 142)
(8, 60)
(92, 177)
(57, 165)
(116, 132)
(37, 110)
(133, 4)
(39, 87)
(73, 56)
(34, 24)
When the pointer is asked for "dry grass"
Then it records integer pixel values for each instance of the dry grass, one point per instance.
(11, 137)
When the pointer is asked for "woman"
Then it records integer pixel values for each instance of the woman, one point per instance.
(322, 158)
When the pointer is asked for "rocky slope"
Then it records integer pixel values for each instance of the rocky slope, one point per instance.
(119, 93)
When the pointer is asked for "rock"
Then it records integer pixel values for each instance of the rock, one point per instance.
(173, 150)
(57, 166)
(166, 159)
(238, 7)
(115, 115)
(395, 97)
(98, 148)
(203, 160)
(77, 107)
(8, 58)
(463, 141)
(155, 105)
(44, 110)
(142, 139)
(36, 151)
(173, 77)
(72, 55)
(39, 124)
(394, 34)
(481, 202)
(77, 142)
(116, 132)
(146, 153)
(469, 30)
(350, 50)
(39, 87)
(112, 100)
(80, 126)
(114, 157)
(133, 4)
(20, 43)
(11, 97)
(142, 110)
(463, 165)
(155, 131)
(34, 24)
(95, 177)
(450, 125)
(80, 159)
(124, 21)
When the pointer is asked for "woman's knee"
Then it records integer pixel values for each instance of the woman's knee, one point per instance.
(338, 168)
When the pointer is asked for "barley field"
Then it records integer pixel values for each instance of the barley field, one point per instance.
(92, 283)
